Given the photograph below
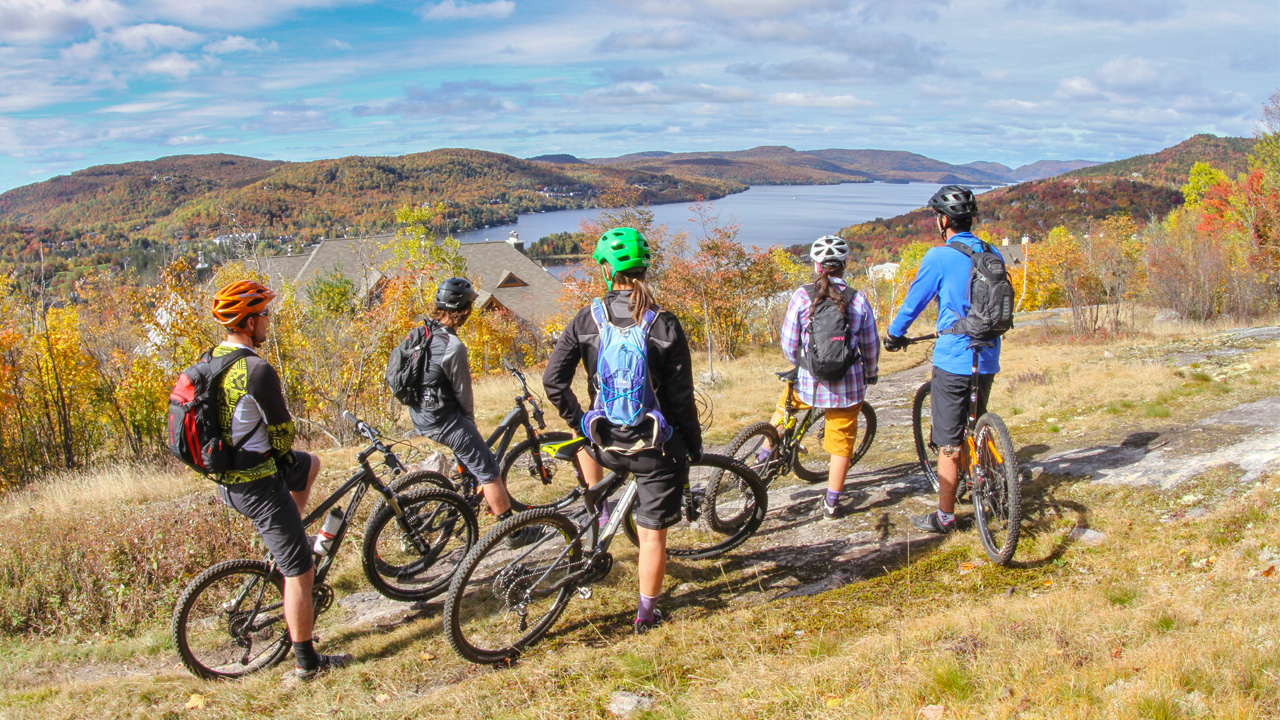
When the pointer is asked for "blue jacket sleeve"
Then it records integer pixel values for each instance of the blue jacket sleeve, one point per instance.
(922, 292)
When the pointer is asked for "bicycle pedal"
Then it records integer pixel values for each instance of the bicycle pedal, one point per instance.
(585, 593)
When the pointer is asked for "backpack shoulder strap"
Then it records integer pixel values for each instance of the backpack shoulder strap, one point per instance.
(599, 314)
(219, 365)
(849, 294)
(957, 245)
(647, 321)
(811, 290)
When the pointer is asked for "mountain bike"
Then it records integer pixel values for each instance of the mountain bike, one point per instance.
(796, 443)
(528, 472)
(504, 600)
(988, 465)
(229, 621)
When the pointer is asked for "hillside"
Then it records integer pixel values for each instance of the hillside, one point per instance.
(198, 196)
(1171, 166)
(780, 165)
(1031, 208)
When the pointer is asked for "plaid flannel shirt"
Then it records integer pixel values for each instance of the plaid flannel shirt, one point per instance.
(849, 390)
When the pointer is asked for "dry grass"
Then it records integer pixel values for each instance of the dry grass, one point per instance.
(115, 484)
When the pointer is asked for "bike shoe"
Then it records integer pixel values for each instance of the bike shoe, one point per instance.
(931, 524)
(641, 627)
(327, 663)
(527, 535)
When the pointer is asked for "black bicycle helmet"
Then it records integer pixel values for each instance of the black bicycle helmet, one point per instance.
(455, 294)
(954, 201)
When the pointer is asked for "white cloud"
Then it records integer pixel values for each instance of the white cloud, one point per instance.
(818, 100)
(238, 43)
(184, 140)
(646, 93)
(671, 38)
(337, 44)
(453, 10)
(732, 8)
(150, 36)
(1079, 89)
(234, 14)
(172, 64)
(40, 21)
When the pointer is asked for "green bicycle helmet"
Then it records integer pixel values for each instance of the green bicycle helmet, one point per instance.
(624, 249)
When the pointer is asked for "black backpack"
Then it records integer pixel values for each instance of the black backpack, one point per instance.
(829, 355)
(407, 365)
(195, 434)
(990, 296)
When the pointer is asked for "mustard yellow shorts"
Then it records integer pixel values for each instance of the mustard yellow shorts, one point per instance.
(842, 424)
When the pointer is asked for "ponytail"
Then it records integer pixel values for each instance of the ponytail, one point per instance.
(642, 299)
(822, 285)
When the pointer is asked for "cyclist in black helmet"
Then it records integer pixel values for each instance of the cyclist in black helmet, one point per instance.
(446, 413)
(944, 275)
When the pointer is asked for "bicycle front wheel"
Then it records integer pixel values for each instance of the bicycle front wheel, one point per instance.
(512, 586)
(721, 488)
(922, 429)
(413, 557)
(519, 471)
(756, 446)
(229, 621)
(996, 493)
(812, 459)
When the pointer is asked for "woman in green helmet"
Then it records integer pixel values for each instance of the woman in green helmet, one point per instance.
(641, 417)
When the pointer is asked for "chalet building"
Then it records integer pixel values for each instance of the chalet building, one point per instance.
(505, 277)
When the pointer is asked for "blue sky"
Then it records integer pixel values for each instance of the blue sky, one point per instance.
(85, 82)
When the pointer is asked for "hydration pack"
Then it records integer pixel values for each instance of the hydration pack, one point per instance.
(829, 354)
(408, 363)
(990, 296)
(195, 436)
(624, 390)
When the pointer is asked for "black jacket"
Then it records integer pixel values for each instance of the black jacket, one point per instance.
(670, 367)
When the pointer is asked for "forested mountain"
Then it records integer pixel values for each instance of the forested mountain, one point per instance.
(1033, 171)
(1171, 166)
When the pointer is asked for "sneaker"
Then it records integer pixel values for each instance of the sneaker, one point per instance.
(641, 627)
(931, 524)
(527, 535)
(327, 663)
(832, 512)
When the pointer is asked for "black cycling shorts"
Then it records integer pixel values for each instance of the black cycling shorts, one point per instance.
(660, 473)
(267, 502)
(949, 404)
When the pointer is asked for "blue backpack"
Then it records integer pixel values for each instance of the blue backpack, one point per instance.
(624, 392)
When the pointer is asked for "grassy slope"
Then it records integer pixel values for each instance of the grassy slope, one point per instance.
(1168, 618)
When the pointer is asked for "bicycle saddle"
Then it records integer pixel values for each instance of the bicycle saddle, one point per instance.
(565, 450)
(980, 344)
(787, 375)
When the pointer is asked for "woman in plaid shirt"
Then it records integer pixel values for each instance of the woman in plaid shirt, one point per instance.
(841, 399)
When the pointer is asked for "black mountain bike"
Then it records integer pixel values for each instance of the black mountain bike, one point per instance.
(229, 620)
(528, 473)
(988, 466)
(796, 444)
(504, 599)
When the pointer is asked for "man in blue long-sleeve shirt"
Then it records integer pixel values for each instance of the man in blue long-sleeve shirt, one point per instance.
(944, 275)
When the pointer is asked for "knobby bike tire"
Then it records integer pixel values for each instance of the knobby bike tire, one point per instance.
(518, 471)
(393, 563)
(481, 616)
(926, 451)
(812, 466)
(741, 496)
(745, 448)
(997, 501)
(221, 610)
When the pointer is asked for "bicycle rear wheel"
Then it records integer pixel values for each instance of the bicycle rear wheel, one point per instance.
(812, 460)
(229, 621)
(996, 492)
(740, 502)
(413, 558)
(506, 596)
(519, 471)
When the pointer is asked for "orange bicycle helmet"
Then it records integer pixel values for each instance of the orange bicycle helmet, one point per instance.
(240, 300)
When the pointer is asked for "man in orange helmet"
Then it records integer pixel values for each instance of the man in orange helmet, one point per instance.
(271, 482)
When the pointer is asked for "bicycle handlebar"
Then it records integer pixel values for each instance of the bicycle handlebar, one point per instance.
(922, 338)
(361, 426)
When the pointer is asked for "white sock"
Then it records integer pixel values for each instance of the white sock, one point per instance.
(946, 518)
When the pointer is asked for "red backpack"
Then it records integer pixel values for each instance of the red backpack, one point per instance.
(195, 434)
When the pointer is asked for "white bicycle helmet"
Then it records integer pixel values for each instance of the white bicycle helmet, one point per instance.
(829, 248)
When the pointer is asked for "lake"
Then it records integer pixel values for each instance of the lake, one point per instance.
(768, 214)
